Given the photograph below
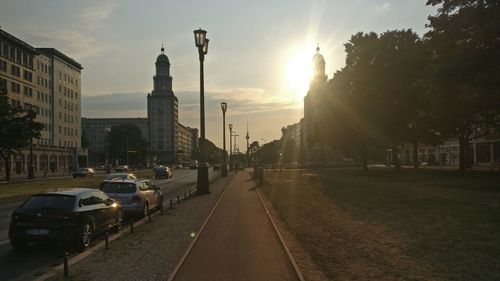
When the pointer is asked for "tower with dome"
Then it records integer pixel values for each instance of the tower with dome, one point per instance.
(312, 150)
(163, 112)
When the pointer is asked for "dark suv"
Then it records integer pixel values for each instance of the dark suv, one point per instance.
(74, 215)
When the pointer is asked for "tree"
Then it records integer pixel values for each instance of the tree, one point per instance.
(17, 128)
(269, 153)
(464, 85)
(127, 136)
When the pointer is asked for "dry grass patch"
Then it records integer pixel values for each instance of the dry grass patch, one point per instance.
(381, 225)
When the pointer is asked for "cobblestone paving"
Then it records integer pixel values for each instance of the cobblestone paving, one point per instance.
(154, 249)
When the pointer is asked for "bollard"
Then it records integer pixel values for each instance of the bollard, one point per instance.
(170, 203)
(161, 208)
(178, 199)
(106, 237)
(149, 216)
(190, 194)
(185, 197)
(261, 176)
(131, 225)
(66, 264)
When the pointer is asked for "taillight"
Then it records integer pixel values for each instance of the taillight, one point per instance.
(136, 199)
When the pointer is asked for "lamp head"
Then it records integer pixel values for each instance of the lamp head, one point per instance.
(200, 37)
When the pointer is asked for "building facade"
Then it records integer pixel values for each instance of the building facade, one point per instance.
(95, 132)
(49, 82)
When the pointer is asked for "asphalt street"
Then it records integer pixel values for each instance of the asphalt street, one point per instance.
(23, 265)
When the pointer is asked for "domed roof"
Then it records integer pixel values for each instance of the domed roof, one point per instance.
(318, 58)
(162, 58)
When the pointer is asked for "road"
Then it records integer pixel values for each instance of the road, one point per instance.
(39, 258)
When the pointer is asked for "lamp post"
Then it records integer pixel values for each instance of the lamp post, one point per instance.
(201, 42)
(107, 154)
(32, 112)
(223, 106)
(230, 146)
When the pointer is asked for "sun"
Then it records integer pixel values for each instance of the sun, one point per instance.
(298, 72)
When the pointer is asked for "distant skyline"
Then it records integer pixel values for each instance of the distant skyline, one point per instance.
(259, 51)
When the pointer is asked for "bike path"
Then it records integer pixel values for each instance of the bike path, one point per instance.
(238, 242)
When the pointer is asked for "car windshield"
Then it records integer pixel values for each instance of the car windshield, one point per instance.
(116, 176)
(119, 187)
(50, 201)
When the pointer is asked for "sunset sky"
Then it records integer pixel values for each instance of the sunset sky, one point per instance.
(258, 59)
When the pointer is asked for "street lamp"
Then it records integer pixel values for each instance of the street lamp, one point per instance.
(230, 146)
(223, 106)
(201, 42)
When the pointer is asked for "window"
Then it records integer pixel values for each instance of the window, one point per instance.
(28, 76)
(15, 70)
(3, 65)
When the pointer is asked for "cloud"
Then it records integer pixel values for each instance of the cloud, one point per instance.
(386, 6)
(72, 43)
(94, 14)
(117, 105)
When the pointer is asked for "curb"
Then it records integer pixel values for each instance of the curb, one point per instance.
(289, 254)
(186, 254)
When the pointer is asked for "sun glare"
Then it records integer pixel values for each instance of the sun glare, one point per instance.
(298, 72)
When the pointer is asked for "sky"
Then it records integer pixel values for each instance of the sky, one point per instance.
(258, 59)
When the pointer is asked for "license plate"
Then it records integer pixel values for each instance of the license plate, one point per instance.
(37, 231)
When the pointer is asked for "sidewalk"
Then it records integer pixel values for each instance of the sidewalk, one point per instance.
(239, 242)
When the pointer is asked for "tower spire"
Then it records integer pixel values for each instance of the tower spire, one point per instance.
(162, 49)
(247, 137)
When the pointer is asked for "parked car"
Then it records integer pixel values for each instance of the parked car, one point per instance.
(179, 166)
(193, 164)
(163, 172)
(74, 215)
(117, 176)
(122, 169)
(84, 172)
(136, 197)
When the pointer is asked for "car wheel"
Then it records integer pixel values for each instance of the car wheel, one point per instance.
(85, 236)
(118, 222)
(18, 244)
(160, 205)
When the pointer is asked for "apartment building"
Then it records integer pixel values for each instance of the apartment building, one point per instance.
(49, 82)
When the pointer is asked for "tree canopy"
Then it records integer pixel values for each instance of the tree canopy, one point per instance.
(17, 128)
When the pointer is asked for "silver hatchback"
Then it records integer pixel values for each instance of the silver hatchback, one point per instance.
(136, 197)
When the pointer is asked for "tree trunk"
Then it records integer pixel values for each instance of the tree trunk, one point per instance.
(365, 162)
(415, 155)
(364, 156)
(395, 158)
(462, 156)
(6, 159)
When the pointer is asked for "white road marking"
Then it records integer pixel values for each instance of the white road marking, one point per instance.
(4, 242)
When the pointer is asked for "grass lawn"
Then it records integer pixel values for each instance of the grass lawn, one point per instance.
(383, 225)
(26, 188)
